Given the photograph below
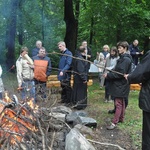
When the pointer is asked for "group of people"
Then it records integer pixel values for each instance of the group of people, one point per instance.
(115, 73)
(107, 59)
(32, 73)
(120, 78)
(77, 95)
(113, 63)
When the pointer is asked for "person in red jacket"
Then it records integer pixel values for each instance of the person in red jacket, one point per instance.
(42, 69)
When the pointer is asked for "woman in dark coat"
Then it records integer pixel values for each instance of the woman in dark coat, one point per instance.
(119, 87)
(80, 66)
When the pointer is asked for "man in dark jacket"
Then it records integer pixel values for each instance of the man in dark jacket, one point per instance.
(135, 51)
(35, 51)
(142, 75)
(119, 88)
(64, 72)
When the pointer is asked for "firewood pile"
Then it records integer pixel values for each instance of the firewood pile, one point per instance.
(53, 81)
(26, 126)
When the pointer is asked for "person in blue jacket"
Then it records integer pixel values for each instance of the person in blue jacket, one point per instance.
(64, 72)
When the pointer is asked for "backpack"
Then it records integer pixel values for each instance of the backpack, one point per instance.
(133, 66)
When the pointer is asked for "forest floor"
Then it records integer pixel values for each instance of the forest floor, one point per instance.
(101, 138)
(115, 139)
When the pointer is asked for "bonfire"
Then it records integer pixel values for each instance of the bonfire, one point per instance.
(25, 126)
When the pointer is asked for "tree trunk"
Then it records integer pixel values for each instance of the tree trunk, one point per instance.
(10, 34)
(20, 24)
(118, 35)
(77, 12)
(91, 31)
(43, 22)
(146, 44)
(71, 26)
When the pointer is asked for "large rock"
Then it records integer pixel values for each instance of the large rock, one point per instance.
(59, 116)
(70, 118)
(90, 122)
(76, 141)
(84, 130)
(61, 109)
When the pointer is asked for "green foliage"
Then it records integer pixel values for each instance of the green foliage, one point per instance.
(114, 21)
(100, 22)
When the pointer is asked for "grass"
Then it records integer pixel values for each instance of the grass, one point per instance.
(133, 116)
(10, 82)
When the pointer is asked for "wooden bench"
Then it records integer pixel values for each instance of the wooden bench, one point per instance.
(53, 81)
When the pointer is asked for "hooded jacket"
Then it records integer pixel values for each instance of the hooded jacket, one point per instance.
(119, 86)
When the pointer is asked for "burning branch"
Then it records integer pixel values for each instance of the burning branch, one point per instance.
(23, 127)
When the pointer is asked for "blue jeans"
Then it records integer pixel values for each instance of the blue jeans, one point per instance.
(40, 89)
(28, 90)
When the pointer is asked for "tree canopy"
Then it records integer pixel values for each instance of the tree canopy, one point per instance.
(99, 22)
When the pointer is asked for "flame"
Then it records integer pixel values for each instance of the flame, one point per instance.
(7, 98)
(16, 123)
(33, 106)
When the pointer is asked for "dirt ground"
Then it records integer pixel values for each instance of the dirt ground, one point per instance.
(116, 137)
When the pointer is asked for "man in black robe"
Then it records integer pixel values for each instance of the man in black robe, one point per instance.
(80, 67)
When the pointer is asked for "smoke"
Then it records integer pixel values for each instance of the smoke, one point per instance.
(36, 20)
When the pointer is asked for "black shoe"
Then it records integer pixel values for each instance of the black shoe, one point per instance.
(111, 111)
